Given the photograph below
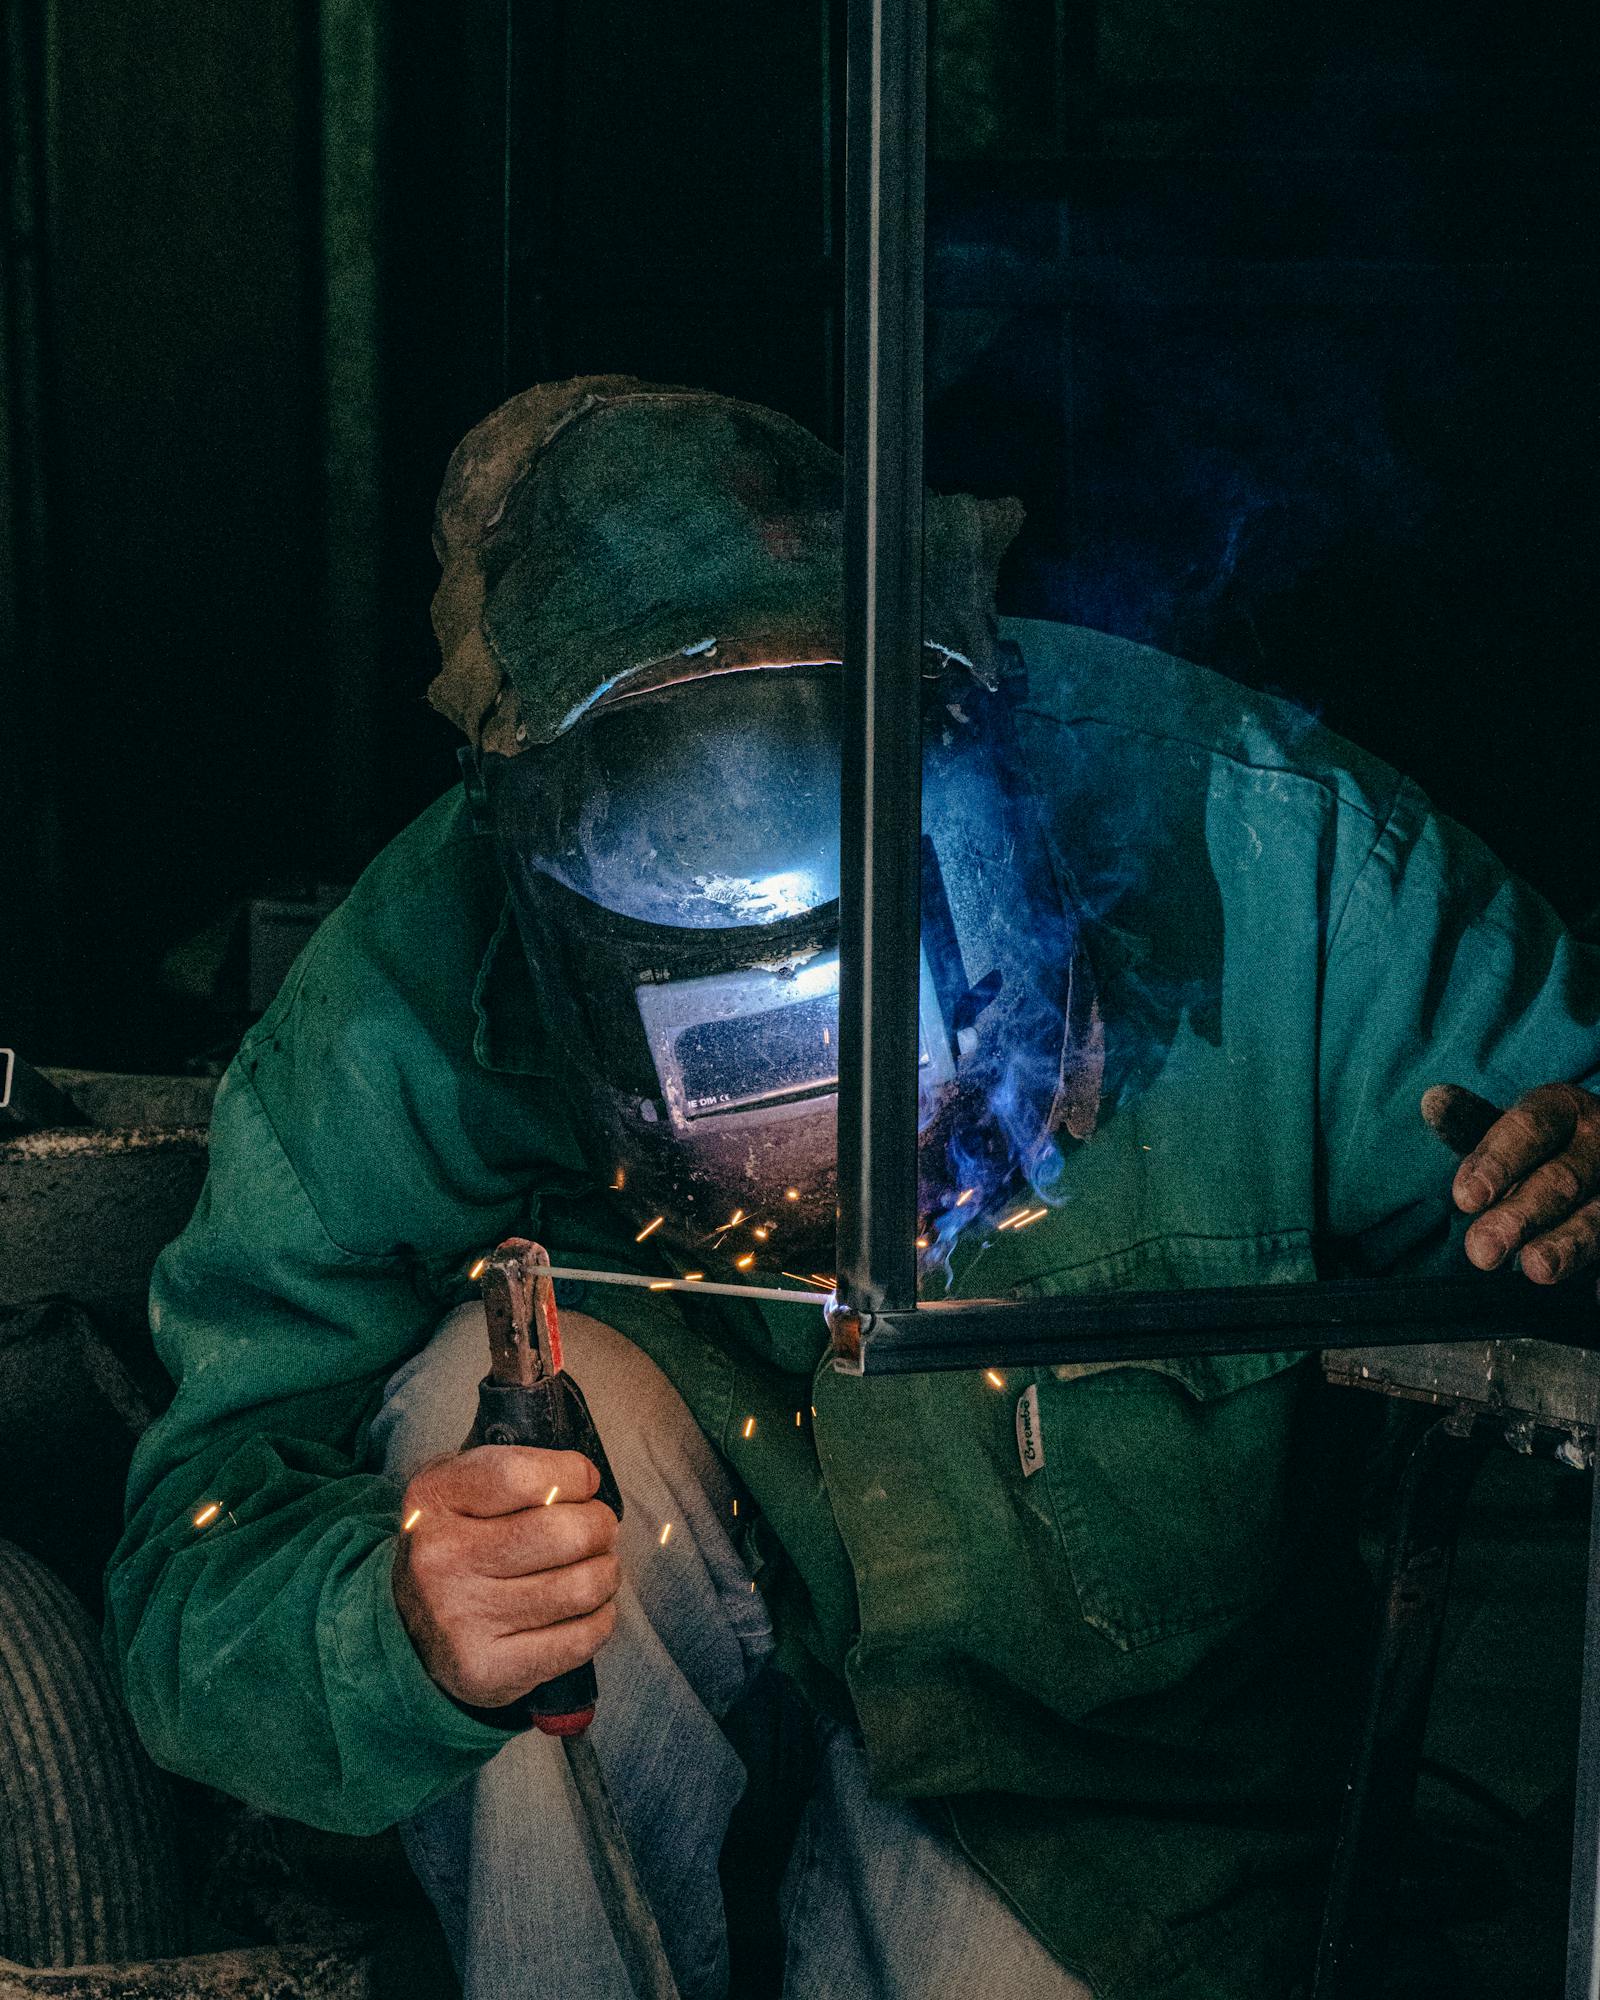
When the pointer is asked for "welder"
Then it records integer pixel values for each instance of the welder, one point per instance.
(1079, 1643)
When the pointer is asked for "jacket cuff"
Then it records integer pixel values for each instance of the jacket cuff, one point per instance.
(377, 1655)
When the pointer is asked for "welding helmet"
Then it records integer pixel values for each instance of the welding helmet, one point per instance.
(673, 863)
(640, 619)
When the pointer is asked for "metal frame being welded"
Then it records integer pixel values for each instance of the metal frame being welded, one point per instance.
(876, 1322)
(878, 1325)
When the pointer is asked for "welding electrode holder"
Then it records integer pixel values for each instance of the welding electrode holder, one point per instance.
(547, 1411)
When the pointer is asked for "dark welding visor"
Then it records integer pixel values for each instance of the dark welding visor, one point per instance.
(712, 806)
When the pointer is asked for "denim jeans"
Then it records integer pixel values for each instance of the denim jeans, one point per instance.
(876, 1906)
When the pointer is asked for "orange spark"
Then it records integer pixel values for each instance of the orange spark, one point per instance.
(994, 1378)
(749, 1427)
(650, 1229)
(743, 1263)
(693, 1277)
(965, 1196)
(666, 1533)
(789, 1194)
(208, 1514)
(411, 1520)
(477, 1270)
(661, 1284)
(550, 1496)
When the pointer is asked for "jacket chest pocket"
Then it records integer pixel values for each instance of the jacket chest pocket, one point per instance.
(1171, 1505)
(1170, 1481)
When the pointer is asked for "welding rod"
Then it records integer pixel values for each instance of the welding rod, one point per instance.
(769, 1294)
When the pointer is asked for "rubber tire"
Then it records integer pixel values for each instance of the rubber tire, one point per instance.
(88, 1857)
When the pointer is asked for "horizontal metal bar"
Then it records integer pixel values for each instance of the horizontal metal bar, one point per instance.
(964, 277)
(1178, 1325)
(750, 276)
(1076, 169)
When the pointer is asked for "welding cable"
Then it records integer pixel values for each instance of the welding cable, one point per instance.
(616, 1876)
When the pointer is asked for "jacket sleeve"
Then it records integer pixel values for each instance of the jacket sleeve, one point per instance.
(1442, 967)
(249, 1603)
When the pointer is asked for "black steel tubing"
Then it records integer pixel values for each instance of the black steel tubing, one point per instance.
(1244, 1319)
(1583, 1931)
(881, 763)
(1360, 1914)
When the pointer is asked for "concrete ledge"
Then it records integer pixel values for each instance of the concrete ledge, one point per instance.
(86, 1209)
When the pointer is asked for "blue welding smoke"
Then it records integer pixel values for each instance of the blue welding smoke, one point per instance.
(1187, 480)
(1232, 382)
(1002, 938)
(1188, 468)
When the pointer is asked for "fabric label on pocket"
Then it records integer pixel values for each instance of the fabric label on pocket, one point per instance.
(1030, 1437)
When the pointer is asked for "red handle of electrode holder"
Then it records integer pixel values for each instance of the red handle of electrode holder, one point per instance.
(526, 1712)
(565, 1725)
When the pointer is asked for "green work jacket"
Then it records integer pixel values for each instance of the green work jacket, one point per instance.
(1103, 1621)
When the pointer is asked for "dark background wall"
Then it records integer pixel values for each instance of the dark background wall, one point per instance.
(1280, 319)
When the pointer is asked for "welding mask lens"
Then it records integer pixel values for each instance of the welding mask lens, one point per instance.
(709, 806)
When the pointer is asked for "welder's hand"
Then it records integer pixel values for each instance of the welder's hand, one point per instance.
(501, 1585)
(1531, 1176)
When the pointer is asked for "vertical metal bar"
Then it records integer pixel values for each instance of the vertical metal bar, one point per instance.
(532, 329)
(1359, 1916)
(36, 1001)
(508, 49)
(830, 414)
(1583, 1931)
(881, 765)
(350, 62)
